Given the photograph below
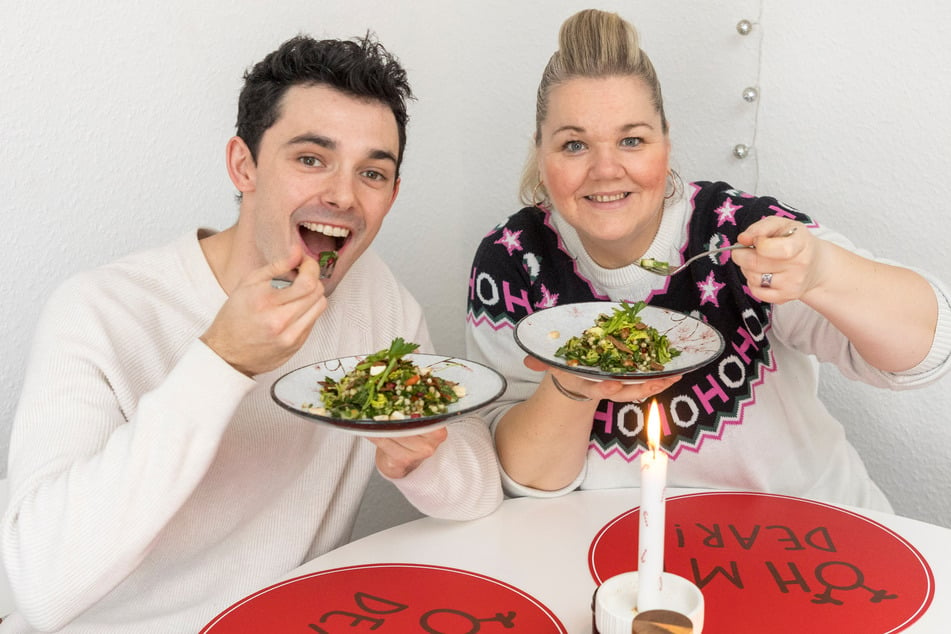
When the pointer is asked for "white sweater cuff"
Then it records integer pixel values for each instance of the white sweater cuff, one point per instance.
(460, 481)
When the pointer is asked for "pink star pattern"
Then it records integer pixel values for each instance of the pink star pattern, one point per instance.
(710, 290)
(726, 213)
(548, 299)
(510, 240)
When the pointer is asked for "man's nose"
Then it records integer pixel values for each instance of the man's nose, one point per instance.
(339, 190)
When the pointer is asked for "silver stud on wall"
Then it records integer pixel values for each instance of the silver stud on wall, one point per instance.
(751, 93)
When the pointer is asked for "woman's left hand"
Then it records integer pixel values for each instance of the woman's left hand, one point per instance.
(781, 267)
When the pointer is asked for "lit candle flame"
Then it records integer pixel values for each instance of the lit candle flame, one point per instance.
(653, 427)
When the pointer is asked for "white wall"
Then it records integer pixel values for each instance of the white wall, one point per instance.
(115, 116)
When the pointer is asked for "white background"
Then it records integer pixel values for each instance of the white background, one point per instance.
(114, 118)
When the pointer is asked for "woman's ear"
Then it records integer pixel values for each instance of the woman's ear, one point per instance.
(241, 167)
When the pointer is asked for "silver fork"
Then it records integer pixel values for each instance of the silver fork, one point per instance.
(663, 268)
(327, 263)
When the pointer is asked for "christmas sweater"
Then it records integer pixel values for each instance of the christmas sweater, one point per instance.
(751, 418)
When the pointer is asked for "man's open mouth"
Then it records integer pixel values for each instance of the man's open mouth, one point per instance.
(320, 238)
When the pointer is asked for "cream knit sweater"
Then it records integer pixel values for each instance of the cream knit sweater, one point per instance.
(152, 485)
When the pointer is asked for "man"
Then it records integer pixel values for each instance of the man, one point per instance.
(153, 480)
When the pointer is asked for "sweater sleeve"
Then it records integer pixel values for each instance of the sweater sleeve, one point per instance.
(505, 285)
(95, 474)
(804, 329)
(491, 319)
(460, 481)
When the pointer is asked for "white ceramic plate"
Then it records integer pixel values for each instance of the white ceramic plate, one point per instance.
(542, 333)
(300, 387)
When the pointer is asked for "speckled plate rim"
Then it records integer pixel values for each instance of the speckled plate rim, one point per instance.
(543, 332)
(299, 387)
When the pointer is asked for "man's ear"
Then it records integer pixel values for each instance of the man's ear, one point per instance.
(241, 167)
(396, 190)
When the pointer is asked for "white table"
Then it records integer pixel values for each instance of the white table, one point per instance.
(541, 547)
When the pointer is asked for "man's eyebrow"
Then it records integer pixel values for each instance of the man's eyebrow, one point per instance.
(382, 155)
(316, 139)
(330, 144)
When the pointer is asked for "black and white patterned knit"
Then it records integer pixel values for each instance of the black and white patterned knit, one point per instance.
(749, 419)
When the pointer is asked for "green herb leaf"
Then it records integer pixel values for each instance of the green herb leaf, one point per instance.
(398, 349)
(326, 258)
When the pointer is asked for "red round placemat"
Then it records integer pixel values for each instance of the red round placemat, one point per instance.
(388, 598)
(771, 563)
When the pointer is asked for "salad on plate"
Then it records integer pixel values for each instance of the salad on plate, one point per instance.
(620, 342)
(386, 385)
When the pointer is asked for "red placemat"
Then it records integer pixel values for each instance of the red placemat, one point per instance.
(388, 598)
(771, 563)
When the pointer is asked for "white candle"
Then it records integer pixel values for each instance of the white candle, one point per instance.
(650, 546)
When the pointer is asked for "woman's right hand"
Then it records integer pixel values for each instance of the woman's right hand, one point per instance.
(596, 390)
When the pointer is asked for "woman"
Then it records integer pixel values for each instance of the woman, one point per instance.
(602, 196)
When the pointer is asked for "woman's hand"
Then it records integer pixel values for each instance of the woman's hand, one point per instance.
(861, 297)
(597, 390)
(542, 441)
(781, 267)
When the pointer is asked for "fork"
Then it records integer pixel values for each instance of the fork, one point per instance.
(327, 261)
(663, 268)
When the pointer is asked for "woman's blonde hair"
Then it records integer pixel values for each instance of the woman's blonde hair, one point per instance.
(591, 43)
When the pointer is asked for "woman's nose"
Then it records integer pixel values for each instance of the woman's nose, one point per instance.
(606, 163)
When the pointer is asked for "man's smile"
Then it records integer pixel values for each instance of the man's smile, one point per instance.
(319, 237)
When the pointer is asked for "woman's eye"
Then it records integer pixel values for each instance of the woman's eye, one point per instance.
(310, 161)
(573, 146)
(631, 141)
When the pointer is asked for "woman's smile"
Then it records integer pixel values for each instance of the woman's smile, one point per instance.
(603, 158)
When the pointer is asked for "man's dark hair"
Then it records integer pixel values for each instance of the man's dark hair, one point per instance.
(360, 67)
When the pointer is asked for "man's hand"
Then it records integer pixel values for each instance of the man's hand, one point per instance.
(260, 327)
(398, 457)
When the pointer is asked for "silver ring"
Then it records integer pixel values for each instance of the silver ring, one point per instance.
(566, 392)
(766, 280)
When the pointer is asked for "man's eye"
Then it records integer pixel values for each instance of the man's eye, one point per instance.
(573, 146)
(631, 141)
(310, 161)
(374, 175)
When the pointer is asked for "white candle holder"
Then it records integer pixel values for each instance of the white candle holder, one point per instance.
(615, 602)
